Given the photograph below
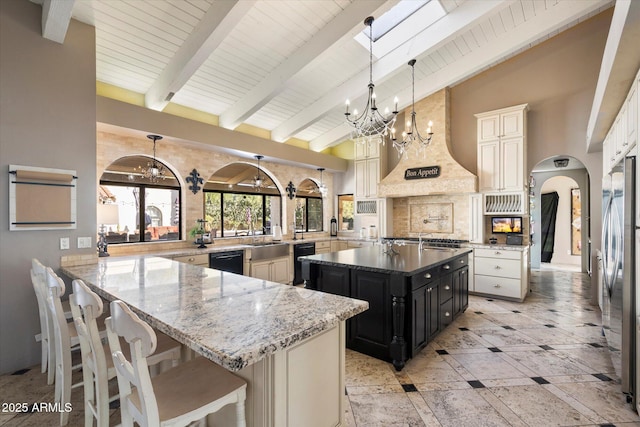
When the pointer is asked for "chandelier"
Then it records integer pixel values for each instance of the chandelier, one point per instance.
(411, 133)
(154, 170)
(257, 181)
(322, 188)
(371, 124)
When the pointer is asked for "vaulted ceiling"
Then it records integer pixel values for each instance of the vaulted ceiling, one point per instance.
(287, 66)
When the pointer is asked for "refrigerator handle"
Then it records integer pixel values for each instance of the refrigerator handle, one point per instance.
(617, 256)
(605, 250)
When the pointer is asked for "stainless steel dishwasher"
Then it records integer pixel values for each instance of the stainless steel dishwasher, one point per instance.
(301, 249)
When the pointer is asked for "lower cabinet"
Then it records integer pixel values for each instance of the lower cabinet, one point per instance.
(426, 316)
(273, 270)
(338, 245)
(501, 272)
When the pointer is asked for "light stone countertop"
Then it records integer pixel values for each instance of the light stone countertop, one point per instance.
(231, 319)
(519, 248)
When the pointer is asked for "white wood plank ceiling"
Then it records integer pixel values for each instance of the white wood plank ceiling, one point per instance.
(288, 65)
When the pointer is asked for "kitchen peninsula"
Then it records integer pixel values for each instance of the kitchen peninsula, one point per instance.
(413, 294)
(287, 342)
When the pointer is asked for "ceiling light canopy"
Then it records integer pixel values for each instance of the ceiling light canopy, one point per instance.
(371, 124)
(411, 134)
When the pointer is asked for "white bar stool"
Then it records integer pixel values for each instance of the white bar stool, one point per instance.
(97, 363)
(177, 397)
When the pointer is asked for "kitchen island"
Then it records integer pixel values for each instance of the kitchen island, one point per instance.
(287, 342)
(412, 294)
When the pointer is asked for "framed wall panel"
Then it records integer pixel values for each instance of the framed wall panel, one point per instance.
(41, 198)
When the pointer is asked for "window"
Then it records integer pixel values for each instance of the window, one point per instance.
(309, 206)
(154, 205)
(345, 212)
(234, 206)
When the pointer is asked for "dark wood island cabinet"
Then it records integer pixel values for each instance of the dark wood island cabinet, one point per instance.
(412, 295)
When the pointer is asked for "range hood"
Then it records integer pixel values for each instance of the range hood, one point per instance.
(434, 171)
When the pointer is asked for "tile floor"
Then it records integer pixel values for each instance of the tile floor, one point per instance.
(540, 363)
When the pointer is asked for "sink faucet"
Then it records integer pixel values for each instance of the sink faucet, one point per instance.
(420, 242)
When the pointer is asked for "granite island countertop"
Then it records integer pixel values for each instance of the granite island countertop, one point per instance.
(407, 261)
(231, 319)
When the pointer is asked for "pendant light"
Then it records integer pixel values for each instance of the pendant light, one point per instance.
(411, 134)
(154, 170)
(257, 181)
(322, 188)
(371, 124)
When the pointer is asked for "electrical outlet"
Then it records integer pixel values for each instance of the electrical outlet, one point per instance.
(64, 243)
(84, 242)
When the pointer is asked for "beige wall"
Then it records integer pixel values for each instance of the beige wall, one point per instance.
(47, 119)
(557, 78)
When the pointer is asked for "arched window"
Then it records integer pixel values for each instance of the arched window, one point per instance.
(241, 200)
(308, 213)
(153, 203)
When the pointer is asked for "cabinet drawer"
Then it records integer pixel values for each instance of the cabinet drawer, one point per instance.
(498, 267)
(200, 259)
(358, 244)
(497, 253)
(323, 245)
(446, 313)
(498, 286)
(423, 278)
(446, 289)
(453, 265)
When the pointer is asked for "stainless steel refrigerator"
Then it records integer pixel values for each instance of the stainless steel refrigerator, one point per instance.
(620, 285)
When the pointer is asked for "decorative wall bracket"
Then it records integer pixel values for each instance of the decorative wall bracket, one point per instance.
(195, 179)
(291, 190)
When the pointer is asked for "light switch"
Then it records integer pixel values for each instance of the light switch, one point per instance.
(64, 243)
(84, 242)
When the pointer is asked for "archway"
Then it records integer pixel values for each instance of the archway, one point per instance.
(569, 178)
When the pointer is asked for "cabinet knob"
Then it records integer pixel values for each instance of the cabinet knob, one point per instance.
(447, 314)
(618, 152)
(446, 288)
(497, 286)
(497, 253)
(461, 261)
(191, 259)
(497, 267)
(446, 267)
(429, 290)
(427, 276)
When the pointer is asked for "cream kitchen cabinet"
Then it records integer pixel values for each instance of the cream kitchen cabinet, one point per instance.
(274, 270)
(323, 247)
(201, 260)
(359, 243)
(502, 273)
(502, 149)
(338, 245)
(367, 178)
(367, 150)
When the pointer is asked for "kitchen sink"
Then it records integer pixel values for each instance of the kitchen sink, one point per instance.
(268, 250)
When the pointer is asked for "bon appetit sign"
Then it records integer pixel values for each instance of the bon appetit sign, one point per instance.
(422, 173)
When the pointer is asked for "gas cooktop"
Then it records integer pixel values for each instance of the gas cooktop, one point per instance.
(437, 243)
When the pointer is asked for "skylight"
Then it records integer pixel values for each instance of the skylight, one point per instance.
(394, 16)
(401, 23)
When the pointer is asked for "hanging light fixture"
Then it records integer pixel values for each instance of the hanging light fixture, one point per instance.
(257, 181)
(322, 188)
(411, 133)
(371, 124)
(154, 170)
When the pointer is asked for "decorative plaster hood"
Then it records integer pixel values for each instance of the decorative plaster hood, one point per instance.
(453, 178)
